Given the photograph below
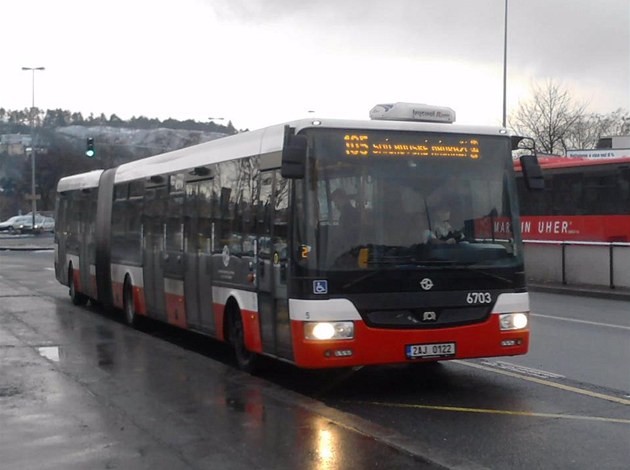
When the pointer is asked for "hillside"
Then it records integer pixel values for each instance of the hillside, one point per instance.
(61, 152)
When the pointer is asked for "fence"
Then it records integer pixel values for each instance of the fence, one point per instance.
(591, 263)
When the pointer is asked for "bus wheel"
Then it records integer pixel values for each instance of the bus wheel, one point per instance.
(77, 297)
(245, 359)
(128, 308)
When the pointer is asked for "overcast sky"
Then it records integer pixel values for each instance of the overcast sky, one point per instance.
(261, 62)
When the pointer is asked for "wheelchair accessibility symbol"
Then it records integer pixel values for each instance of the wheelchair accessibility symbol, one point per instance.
(320, 287)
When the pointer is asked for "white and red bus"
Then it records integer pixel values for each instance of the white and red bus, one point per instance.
(585, 200)
(239, 239)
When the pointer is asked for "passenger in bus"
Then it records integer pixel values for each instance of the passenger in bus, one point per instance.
(442, 231)
(349, 219)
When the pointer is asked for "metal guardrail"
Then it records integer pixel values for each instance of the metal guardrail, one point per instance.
(564, 244)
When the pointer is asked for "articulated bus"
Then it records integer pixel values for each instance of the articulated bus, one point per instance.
(240, 239)
(585, 200)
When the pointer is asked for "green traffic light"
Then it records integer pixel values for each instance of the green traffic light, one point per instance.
(90, 152)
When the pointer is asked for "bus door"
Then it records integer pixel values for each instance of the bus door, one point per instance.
(153, 249)
(198, 255)
(272, 238)
(87, 245)
(61, 238)
(173, 256)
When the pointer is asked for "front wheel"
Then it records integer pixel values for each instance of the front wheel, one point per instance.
(77, 297)
(245, 359)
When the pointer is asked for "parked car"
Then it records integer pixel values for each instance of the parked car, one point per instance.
(7, 225)
(48, 224)
(24, 224)
(42, 224)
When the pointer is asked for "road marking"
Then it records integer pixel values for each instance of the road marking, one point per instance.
(586, 322)
(495, 412)
(542, 374)
(548, 383)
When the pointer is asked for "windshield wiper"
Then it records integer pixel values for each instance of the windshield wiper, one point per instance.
(410, 264)
(364, 278)
(475, 268)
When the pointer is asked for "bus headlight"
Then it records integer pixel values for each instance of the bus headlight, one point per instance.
(513, 321)
(329, 330)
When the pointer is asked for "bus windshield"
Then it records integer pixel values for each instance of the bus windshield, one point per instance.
(379, 199)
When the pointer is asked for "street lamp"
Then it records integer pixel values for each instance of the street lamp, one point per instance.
(33, 198)
(505, 63)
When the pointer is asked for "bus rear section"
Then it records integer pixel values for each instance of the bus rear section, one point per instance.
(75, 234)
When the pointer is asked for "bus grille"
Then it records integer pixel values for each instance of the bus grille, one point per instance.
(426, 317)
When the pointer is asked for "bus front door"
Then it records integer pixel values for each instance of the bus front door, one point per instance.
(271, 275)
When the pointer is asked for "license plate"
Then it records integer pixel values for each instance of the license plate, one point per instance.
(426, 351)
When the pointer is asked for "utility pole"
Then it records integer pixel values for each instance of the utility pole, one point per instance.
(505, 24)
(33, 191)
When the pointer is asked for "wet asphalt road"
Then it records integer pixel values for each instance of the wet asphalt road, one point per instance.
(78, 389)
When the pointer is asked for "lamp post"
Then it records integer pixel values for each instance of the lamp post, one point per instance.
(33, 195)
(505, 63)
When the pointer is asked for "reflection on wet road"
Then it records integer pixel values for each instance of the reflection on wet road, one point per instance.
(78, 389)
(81, 390)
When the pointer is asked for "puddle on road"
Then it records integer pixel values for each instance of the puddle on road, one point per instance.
(7, 391)
(105, 354)
(49, 352)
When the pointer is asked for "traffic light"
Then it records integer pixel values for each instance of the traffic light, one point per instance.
(89, 151)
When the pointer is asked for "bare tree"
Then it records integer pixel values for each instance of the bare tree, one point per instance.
(549, 117)
(591, 127)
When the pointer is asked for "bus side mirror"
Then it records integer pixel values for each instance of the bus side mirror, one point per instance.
(520, 142)
(532, 173)
(293, 155)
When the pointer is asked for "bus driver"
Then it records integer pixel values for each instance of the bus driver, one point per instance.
(349, 219)
(442, 231)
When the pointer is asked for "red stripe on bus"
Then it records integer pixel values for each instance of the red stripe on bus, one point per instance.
(219, 310)
(139, 301)
(599, 228)
(93, 289)
(175, 310)
(117, 294)
(251, 326)
(76, 276)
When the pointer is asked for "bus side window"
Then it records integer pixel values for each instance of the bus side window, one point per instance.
(174, 219)
(281, 216)
(262, 211)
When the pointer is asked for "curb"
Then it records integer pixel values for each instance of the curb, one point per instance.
(27, 243)
(26, 248)
(599, 292)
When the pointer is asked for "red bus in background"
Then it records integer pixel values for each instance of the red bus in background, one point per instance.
(585, 199)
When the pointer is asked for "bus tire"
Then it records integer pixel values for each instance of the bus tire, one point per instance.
(77, 297)
(245, 360)
(129, 309)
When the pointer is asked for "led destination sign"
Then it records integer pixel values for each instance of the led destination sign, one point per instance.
(363, 145)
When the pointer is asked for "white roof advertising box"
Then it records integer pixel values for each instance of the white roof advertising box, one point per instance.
(599, 153)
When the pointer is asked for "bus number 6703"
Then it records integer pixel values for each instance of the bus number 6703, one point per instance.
(479, 298)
